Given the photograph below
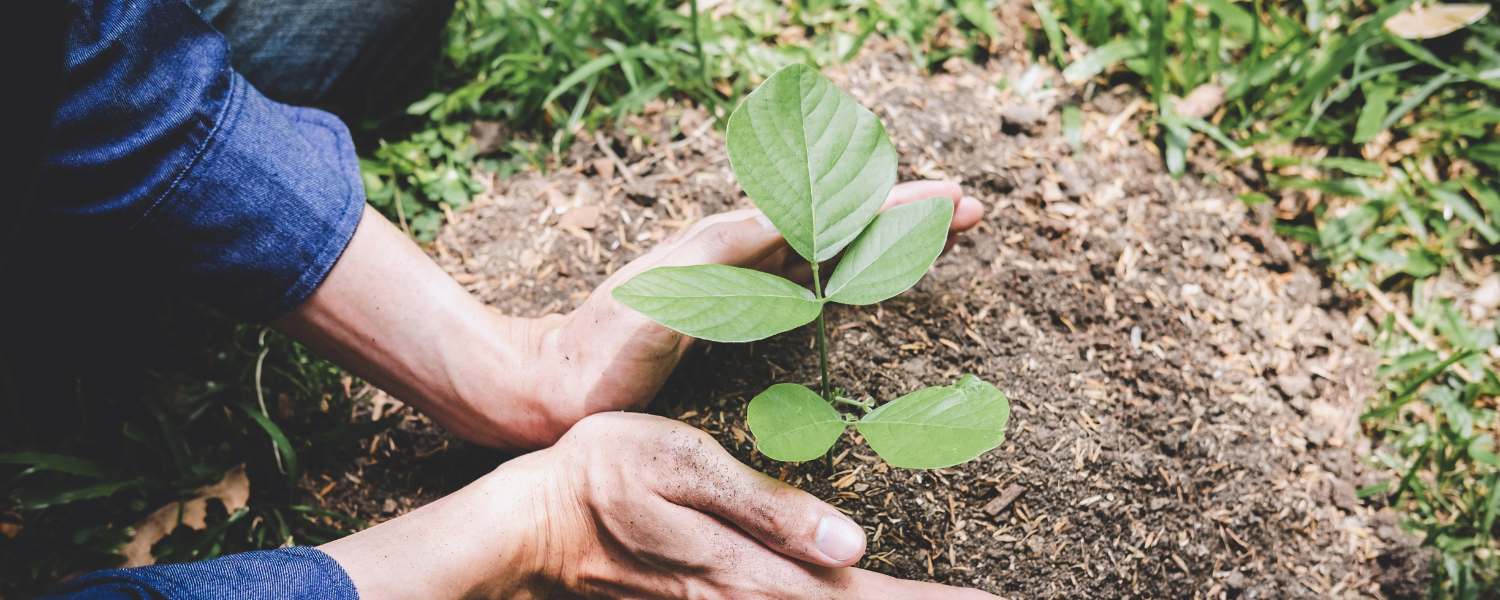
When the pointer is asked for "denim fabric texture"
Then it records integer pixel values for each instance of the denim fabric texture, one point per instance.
(299, 573)
(332, 53)
(161, 150)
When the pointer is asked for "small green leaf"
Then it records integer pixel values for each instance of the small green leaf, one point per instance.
(981, 17)
(812, 159)
(42, 498)
(938, 426)
(283, 444)
(719, 303)
(1050, 26)
(54, 462)
(1480, 451)
(1377, 104)
(893, 252)
(1352, 166)
(1103, 58)
(792, 423)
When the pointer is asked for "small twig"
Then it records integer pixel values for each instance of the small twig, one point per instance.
(1412, 330)
(620, 165)
(400, 212)
(697, 133)
(261, 397)
(1120, 119)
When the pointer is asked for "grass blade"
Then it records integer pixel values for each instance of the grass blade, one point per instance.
(1103, 58)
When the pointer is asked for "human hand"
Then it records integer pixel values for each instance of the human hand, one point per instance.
(605, 356)
(624, 506)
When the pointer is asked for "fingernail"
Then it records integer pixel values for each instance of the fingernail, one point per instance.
(839, 539)
(766, 223)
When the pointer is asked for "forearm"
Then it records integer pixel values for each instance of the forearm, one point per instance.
(388, 314)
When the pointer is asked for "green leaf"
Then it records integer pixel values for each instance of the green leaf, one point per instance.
(812, 159)
(1466, 211)
(1050, 26)
(1480, 451)
(71, 465)
(1102, 58)
(1372, 116)
(1488, 153)
(43, 498)
(1342, 54)
(1072, 127)
(282, 443)
(893, 252)
(719, 303)
(981, 17)
(1372, 490)
(1352, 166)
(1236, 20)
(938, 426)
(792, 423)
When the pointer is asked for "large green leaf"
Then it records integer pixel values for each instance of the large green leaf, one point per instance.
(792, 423)
(939, 426)
(810, 157)
(719, 303)
(892, 253)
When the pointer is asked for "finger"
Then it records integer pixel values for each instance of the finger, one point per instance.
(868, 585)
(913, 191)
(967, 211)
(966, 214)
(788, 520)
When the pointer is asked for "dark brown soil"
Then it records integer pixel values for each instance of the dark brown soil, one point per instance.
(1184, 391)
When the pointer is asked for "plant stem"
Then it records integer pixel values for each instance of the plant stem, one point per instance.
(823, 358)
(822, 336)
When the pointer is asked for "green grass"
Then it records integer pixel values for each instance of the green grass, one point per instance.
(551, 70)
(1396, 141)
(74, 496)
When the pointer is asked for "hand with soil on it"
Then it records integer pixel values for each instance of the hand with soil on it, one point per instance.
(391, 316)
(624, 506)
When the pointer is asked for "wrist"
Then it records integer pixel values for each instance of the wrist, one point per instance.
(498, 537)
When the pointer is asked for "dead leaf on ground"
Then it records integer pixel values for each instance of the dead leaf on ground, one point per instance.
(1420, 23)
(233, 490)
(585, 217)
(1202, 101)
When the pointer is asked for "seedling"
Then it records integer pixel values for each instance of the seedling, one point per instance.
(819, 166)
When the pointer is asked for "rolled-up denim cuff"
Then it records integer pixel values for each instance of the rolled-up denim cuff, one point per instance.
(263, 213)
(298, 573)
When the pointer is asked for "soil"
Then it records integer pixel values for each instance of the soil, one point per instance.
(1184, 390)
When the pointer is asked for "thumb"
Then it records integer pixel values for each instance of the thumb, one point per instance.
(784, 518)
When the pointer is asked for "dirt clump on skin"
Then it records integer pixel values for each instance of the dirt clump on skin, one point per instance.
(1184, 392)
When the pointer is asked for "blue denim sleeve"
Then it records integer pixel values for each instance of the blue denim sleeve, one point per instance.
(300, 573)
(161, 151)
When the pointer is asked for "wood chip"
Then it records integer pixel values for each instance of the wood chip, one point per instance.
(1008, 496)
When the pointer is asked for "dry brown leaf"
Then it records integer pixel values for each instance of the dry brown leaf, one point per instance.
(233, 490)
(585, 217)
(1202, 101)
(1420, 23)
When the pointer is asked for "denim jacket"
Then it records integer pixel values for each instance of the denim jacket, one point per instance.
(159, 148)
